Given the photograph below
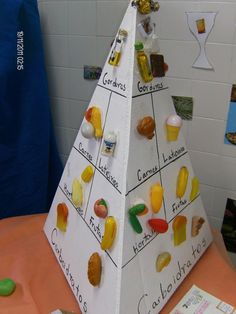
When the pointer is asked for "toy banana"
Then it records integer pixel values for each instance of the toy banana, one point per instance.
(77, 193)
(109, 233)
(182, 181)
(195, 188)
(156, 197)
(96, 121)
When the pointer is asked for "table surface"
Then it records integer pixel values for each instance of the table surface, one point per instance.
(41, 287)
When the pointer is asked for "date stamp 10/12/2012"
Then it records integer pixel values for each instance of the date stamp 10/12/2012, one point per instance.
(20, 51)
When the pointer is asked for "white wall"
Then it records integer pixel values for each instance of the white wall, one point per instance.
(80, 32)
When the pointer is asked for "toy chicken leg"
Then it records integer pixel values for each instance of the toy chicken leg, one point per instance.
(96, 122)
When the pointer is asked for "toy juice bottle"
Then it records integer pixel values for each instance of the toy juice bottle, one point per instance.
(116, 52)
(143, 65)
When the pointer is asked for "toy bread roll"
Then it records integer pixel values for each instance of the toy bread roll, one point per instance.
(94, 269)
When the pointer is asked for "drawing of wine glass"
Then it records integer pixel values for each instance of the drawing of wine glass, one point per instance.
(200, 25)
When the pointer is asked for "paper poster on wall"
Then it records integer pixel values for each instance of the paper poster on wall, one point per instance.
(127, 223)
(228, 229)
(230, 132)
(200, 25)
(183, 106)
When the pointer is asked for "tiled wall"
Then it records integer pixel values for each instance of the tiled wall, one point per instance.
(80, 32)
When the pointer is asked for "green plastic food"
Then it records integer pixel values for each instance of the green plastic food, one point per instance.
(137, 209)
(7, 287)
(135, 224)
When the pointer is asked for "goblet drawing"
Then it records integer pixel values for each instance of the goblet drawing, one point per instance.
(200, 25)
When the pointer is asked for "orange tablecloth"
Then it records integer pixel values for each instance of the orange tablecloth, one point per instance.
(26, 257)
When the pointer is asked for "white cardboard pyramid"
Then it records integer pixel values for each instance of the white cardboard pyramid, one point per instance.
(130, 283)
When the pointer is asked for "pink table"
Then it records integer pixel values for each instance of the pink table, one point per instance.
(26, 257)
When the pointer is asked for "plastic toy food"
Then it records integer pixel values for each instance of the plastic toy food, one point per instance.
(146, 6)
(93, 115)
(87, 130)
(195, 188)
(197, 223)
(116, 52)
(143, 64)
(135, 224)
(182, 181)
(109, 233)
(87, 174)
(201, 26)
(158, 225)
(133, 212)
(156, 197)
(7, 287)
(62, 216)
(109, 144)
(157, 65)
(94, 269)
(146, 127)
(77, 193)
(179, 228)
(162, 261)
(173, 125)
(100, 208)
(137, 209)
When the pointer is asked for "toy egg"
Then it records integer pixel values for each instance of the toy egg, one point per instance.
(87, 130)
(100, 208)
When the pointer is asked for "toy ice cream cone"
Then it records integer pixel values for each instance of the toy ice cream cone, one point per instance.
(173, 125)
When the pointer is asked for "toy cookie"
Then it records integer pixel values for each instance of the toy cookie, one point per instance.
(94, 269)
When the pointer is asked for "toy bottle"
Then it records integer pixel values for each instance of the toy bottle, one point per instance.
(143, 64)
(116, 52)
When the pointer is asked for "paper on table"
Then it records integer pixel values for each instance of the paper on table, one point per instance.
(198, 301)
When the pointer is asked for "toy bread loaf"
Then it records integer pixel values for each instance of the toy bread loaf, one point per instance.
(94, 269)
(179, 228)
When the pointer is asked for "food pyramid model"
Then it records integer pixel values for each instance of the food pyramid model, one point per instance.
(127, 222)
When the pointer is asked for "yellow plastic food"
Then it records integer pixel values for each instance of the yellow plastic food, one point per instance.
(162, 261)
(179, 228)
(195, 188)
(182, 182)
(156, 197)
(87, 174)
(109, 233)
(96, 122)
(77, 193)
(62, 216)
